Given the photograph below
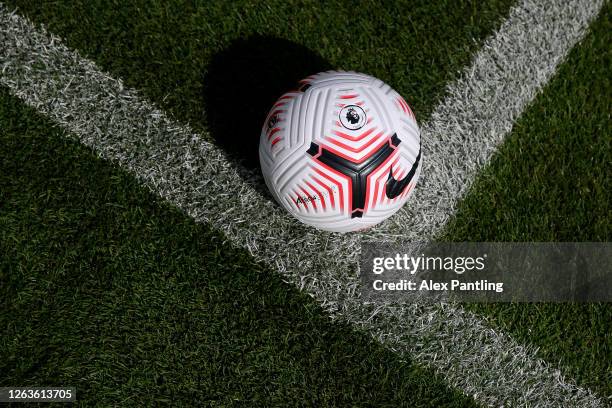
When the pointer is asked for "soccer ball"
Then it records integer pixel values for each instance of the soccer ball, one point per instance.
(342, 152)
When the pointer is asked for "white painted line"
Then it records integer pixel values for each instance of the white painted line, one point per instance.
(482, 106)
(182, 167)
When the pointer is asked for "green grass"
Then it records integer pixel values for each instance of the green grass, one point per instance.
(104, 287)
(551, 181)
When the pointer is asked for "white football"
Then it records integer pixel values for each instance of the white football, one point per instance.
(341, 153)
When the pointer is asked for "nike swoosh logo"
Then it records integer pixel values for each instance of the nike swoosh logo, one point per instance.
(393, 187)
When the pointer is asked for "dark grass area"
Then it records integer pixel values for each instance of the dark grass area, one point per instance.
(105, 288)
(220, 65)
(551, 181)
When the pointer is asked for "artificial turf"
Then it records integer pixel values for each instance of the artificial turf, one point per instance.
(551, 181)
(106, 288)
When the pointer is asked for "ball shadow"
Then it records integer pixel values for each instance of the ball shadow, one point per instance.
(240, 86)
